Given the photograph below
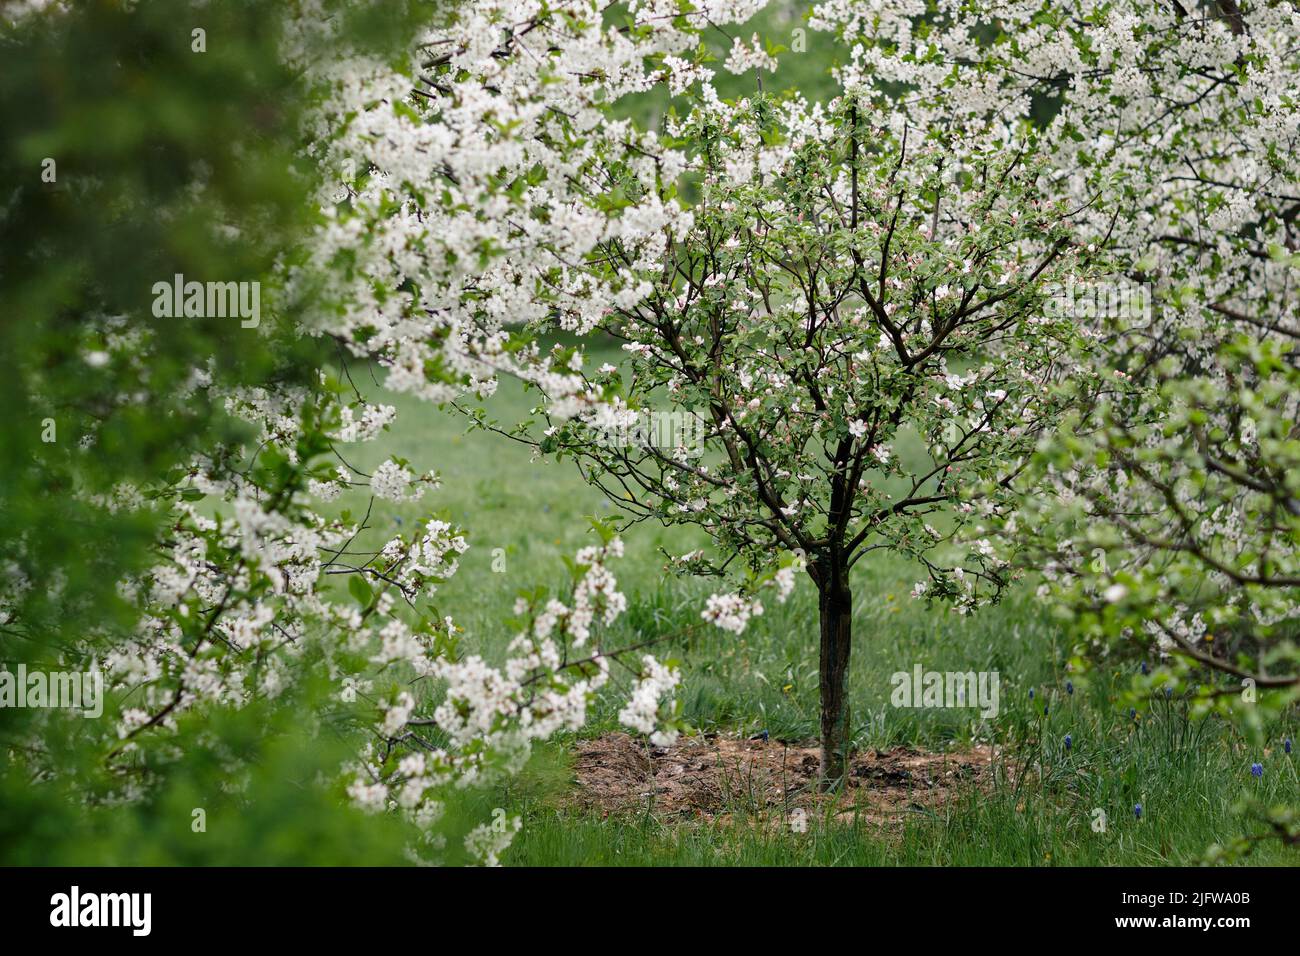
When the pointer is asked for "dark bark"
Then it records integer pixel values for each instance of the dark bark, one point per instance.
(835, 610)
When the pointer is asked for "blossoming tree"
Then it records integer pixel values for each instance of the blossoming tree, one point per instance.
(837, 286)
(840, 291)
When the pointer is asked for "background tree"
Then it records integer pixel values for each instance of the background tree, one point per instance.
(1164, 513)
(1184, 119)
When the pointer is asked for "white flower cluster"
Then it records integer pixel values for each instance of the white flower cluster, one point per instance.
(731, 612)
(393, 482)
(426, 170)
(744, 58)
(492, 716)
(642, 711)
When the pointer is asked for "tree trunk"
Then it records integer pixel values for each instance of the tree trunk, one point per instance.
(835, 606)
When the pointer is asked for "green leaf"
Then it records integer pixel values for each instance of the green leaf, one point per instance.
(360, 589)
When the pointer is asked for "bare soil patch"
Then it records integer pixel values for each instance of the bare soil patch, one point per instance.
(715, 777)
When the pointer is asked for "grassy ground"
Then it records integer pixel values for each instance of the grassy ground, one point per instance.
(1186, 775)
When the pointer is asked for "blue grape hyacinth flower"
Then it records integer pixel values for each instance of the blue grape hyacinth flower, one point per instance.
(1257, 770)
(1137, 810)
(1069, 741)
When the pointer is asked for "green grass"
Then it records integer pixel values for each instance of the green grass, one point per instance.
(1186, 774)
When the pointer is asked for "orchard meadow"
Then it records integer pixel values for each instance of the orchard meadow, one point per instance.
(657, 433)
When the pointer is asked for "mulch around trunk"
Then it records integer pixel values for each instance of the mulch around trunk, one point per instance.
(716, 777)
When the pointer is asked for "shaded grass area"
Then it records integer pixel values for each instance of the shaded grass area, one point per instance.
(998, 829)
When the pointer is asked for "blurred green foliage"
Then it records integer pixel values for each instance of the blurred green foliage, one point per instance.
(163, 161)
(134, 149)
